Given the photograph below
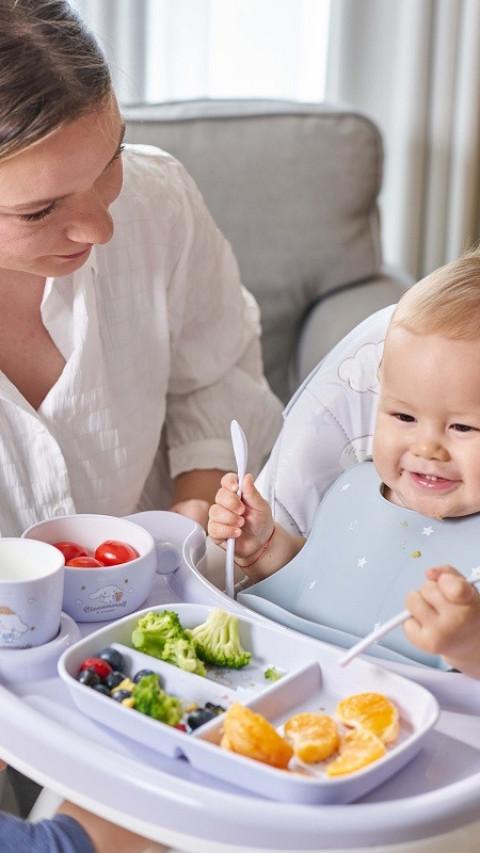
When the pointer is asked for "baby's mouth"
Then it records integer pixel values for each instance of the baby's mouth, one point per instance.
(431, 482)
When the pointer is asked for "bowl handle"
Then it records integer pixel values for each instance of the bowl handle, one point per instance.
(168, 557)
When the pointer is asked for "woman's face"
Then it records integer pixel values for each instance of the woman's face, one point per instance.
(55, 195)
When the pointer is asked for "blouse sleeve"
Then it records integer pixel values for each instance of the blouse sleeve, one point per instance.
(62, 834)
(216, 370)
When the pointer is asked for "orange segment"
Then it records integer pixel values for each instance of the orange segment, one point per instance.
(372, 712)
(314, 737)
(358, 748)
(250, 734)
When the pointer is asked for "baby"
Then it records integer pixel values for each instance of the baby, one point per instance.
(426, 457)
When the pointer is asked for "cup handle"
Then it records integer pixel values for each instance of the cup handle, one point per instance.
(169, 557)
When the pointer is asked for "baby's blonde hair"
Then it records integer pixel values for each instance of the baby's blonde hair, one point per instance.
(446, 302)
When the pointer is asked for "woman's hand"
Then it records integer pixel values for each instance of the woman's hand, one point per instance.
(446, 619)
(193, 493)
(193, 508)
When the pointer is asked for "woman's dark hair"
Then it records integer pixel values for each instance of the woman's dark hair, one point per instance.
(52, 71)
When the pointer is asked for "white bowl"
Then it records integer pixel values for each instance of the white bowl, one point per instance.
(101, 593)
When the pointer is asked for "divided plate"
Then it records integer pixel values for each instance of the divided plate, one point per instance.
(312, 681)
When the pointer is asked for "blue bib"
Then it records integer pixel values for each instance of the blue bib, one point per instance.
(362, 557)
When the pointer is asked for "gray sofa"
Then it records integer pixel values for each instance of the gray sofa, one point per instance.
(294, 187)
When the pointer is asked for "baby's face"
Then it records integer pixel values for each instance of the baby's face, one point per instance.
(426, 446)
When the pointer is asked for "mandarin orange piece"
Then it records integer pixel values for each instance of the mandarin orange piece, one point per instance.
(370, 711)
(250, 734)
(358, 748)
(314, 737)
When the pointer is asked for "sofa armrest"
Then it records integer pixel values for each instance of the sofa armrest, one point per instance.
(336, 314)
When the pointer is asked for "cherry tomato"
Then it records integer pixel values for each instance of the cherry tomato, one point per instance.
(71, 550)
(84, 563)
(101, 667)
(112, 552)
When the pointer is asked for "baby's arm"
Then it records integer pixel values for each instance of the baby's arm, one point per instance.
(446, 619)
(262, 546)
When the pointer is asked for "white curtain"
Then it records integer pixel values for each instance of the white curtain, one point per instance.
(414, 66)
(163, 50)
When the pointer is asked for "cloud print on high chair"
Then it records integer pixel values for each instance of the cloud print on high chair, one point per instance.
(360, 371)
(357, 450)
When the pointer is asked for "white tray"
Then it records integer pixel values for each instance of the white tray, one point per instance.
(45, 735)
(311, 682)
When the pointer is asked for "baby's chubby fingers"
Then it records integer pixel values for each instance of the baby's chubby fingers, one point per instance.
(429, 600)
(443, 610)
(227, 497)
(225, 516)
(452, 585)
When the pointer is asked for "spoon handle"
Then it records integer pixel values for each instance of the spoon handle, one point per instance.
(239, 442)
(230, 568)
(375, 635)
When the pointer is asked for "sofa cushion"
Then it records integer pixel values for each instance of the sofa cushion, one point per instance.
(292, 186)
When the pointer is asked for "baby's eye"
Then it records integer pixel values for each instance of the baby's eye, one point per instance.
(400, 416)
(463, 428)
(39, 214)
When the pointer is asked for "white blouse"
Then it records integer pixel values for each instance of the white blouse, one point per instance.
(155, 329)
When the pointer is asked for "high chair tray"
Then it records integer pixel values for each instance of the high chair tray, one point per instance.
(197, 805)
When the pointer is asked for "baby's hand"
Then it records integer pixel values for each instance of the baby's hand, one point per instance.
(248, 520)
(446, 619)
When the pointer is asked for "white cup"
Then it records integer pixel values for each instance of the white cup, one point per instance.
(31, 592)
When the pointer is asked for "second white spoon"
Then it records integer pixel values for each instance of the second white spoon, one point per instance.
(389, 625)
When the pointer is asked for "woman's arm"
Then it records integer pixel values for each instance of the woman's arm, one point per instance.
(194, 492)
(106, 837)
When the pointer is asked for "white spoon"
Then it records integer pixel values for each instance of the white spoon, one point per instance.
(240, 449)
(389, 625)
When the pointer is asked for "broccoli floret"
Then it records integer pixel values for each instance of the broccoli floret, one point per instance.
(217, 641)
(183, 653)
(161, 635)
(272, 674)
(150, 699)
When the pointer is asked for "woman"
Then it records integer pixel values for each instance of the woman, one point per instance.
(117, 295)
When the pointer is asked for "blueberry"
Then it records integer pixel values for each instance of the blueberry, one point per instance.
(113, 657)
(120, 695)
(142, 673)
(101, 688)
(199, 717)
(88, 677)
(216, 709)
(113, 679)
